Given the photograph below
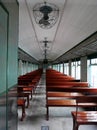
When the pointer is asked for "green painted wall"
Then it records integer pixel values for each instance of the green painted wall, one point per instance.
(9, 45)
(3, 65)
(12, 7)
(9, 18)
(3, 49)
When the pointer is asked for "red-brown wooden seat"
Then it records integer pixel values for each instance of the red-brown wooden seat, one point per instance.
(85, 117)
(59, 103)
(24, 96)
(64, 94)
(25, 89)
(62, 90)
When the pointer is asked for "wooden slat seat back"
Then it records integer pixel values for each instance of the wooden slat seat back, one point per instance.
(85, 117)
(54, 78)
(74, 84)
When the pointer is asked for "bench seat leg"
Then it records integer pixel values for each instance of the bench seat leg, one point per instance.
(21, 103)
(76, 126)
(47, 114)
(73, 123)
(23, 112)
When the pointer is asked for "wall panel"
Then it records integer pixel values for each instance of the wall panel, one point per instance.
(8, 63)
(3, 48)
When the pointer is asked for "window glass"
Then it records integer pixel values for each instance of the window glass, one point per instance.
(92, 72)
(61, 68)
(75, 69)
(66, 68)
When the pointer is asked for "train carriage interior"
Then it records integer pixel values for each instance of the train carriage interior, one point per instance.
(48, 64)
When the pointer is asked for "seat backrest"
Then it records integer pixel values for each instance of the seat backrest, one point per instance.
(86, 101)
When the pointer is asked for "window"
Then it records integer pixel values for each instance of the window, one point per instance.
(92, 72)
(75, 69)
(61, 68)
(66, 68)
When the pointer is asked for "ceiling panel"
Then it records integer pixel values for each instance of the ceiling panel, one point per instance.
(77, 20)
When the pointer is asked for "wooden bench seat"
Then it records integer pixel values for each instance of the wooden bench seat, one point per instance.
(58, 103)
(25, 89)
(62, 92)
(61, 102)
(24, 95)
(14, 93)
(66, 97)
(64, 103)
(26, 86)
(85, 117)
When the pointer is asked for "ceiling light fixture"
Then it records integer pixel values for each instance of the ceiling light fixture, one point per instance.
(45, 14)
(45, 61)
(46, 43)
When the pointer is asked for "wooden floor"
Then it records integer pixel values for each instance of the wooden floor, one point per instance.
(60, 118)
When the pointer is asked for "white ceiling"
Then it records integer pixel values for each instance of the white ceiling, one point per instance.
(77, 20)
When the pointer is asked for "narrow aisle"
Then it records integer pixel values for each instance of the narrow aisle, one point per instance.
(60, 118)
(37, 107)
